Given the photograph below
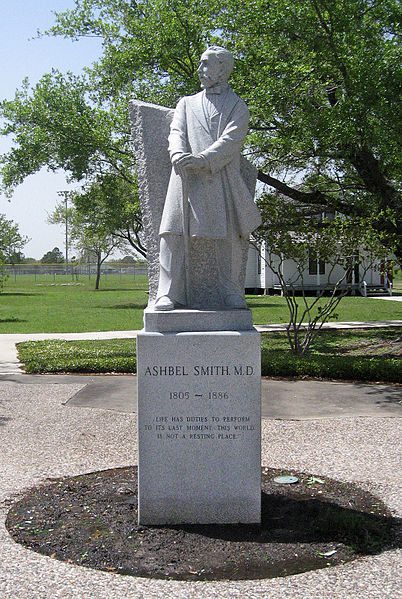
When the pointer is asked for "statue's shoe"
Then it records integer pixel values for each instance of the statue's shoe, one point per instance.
(164, 303)
(236, 302)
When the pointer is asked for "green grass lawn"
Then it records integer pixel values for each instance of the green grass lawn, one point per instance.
(373, 355)
(60, 305)
(272, 309)
(64, 306)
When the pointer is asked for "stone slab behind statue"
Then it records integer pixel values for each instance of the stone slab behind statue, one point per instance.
(199, 429)
(150, 132)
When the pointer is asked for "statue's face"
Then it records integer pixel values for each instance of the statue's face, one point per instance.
(210, 70)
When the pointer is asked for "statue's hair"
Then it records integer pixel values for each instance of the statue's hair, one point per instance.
(224, 56)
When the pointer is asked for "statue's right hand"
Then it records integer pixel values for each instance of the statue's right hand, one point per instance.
(188, 163)
(177, 161)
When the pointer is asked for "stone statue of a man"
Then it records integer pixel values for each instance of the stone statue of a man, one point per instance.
(207, 196)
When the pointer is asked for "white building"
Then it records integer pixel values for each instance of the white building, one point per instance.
(362, 279)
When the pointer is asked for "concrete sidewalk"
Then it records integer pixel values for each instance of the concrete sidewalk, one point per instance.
(392, 298)
(44, 435)
(9, 363)
(64, 425)
(281, 399)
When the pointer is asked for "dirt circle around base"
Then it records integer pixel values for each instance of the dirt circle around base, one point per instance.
(91, 520)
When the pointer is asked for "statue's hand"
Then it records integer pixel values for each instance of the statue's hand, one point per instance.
(190, 163)
(177, 160)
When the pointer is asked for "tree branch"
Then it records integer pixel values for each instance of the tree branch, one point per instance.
(369, 169)
(305, 197)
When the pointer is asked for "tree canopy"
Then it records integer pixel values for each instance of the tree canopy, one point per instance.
(54, 256)
(321, 78)
(11, 240)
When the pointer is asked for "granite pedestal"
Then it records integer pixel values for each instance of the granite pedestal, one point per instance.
(196, 320)
(199, 433)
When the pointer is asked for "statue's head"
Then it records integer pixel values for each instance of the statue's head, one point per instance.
(216, 65)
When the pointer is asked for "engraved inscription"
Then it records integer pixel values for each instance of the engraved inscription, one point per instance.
(200, 428)
(211, 395)
(200, 370)
(196, 414)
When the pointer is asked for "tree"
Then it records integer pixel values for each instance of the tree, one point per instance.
(54, 256)
(89, 230)
(60, 123)
(117, 208)
(91, 242)
(129, 260)
(16, 257)
(321, 79)
(11, 242)
(56, 124)
(324, 96)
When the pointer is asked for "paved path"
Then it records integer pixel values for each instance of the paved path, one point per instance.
(281, 399)
(55, 425)
(392, 298)
(44, 435)
(9, 363)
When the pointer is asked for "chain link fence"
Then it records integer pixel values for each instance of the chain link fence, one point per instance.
(44, 273)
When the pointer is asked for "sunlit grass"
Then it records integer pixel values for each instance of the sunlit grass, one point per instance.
(66, 306)
(56, 304)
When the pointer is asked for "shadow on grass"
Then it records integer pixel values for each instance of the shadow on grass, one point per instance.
(129, 306)
(11, 319)
(120, 289)
(343, 342)
(252, 304)
(282, 362)
(19, 293)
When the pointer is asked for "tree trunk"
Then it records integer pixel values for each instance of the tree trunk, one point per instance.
(98, 269)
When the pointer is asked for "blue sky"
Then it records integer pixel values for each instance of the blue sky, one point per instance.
(21, 56)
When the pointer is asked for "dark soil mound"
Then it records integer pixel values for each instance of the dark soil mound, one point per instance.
(91, 520)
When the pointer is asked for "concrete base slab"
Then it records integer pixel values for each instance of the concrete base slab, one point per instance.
(314, 400)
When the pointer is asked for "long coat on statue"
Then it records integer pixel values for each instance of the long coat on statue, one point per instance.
(221, 192)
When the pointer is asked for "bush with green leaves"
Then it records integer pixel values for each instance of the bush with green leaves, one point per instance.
(351, 355)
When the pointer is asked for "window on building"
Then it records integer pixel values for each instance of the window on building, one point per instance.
(316, 266)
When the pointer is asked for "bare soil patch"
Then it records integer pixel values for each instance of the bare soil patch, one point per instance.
(91, 520)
